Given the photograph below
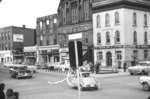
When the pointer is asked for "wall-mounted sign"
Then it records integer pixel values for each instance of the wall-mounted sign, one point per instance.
(18, 38)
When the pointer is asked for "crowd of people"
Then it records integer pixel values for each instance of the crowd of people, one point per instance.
(10, 93)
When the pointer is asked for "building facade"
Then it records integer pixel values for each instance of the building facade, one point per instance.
(47, 39)
(121, 32)
(12, 41)
(75, 16)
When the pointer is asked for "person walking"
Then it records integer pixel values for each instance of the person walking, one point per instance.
(10, 94)
(97, 67)
(125, 67)
(2, 94)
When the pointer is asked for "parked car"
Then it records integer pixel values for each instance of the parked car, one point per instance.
(142, 67)
(20, 72)
(86, 80)
(145, 82)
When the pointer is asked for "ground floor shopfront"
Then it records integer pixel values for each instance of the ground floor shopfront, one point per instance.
(11, 56)
(41, 55)
(120, 56)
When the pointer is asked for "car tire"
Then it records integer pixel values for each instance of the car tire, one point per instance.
(146, 86)
(81, 88)
(144, 73)
(131, 73)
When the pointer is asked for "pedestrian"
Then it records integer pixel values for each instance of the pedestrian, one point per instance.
(10, 94)
(2, 94)
(97, 67)
(125, 67)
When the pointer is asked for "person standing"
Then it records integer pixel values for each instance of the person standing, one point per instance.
(125, 67)
(2, 94)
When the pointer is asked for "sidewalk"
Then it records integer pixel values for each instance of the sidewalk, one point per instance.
(120, 73)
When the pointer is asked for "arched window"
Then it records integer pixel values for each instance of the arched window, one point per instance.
(145, 20)
(117, 20)
(145, 37)
(135, 37)
(134, 19)
(98, 21)
(107, 20)
(98, 38)
(107, 37)
(117, 37)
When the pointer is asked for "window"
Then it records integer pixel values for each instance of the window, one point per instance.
(145, 20)
(145, 37)
(98, 38)
(47, 22)
(107, 37)
(98, 21)
(135, 37)
(119, 55)
(107, 20)
(145, 54)
(99, 55)
(40, 25)
(134, 19)
(135, 55)
(117, 20)
(117, 37)
(86, 40)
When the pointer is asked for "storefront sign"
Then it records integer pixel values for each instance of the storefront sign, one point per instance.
(18, 38)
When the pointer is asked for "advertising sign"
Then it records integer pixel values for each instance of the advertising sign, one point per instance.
(18, 38)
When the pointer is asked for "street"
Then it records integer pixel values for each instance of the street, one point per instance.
(117, 87)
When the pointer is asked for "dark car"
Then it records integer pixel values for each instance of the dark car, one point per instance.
(20, 72)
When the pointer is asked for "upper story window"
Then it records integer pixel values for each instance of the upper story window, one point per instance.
(40, 25)
(145, 20)
(117, 19)
(107, 20)
(145, 37)
(135, 37)
(117, 37)
(47, 22)
(98, 38)
(134, 19)
(107, 37)
(98, 21)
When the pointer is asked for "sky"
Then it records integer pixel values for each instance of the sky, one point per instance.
(25, 12)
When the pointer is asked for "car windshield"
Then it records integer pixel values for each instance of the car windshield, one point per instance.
(85, 74)
(144, 63)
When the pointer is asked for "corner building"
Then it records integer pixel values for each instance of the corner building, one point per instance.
(121, 32)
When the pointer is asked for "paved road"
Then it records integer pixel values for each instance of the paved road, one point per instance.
(113, 87)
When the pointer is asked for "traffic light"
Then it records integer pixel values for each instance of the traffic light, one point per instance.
(72, 54)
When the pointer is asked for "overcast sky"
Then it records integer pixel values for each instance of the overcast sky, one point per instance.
(25, 12)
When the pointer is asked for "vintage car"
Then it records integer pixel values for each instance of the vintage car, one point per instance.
(20, 72)
(142, 67)
(145, 82)
(86, 81)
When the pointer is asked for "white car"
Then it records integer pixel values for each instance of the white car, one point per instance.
(141, 68)
(86, 81)
(145, 82)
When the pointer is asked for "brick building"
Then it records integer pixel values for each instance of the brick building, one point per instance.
(12, 41)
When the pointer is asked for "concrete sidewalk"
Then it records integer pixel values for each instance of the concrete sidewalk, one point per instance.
(120, 73)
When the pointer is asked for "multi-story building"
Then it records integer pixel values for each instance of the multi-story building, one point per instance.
(121, 32)
(12, 41)
(75, 16)
(47, 39)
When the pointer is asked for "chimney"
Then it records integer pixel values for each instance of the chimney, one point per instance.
(24, 26)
